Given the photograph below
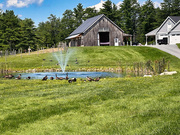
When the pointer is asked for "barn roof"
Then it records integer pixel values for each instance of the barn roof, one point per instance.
(88, 24)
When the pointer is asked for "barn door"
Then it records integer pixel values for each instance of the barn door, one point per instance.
(116, 42)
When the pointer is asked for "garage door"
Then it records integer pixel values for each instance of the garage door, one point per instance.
(175, 38)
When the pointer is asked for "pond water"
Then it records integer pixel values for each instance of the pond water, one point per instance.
(40, 75)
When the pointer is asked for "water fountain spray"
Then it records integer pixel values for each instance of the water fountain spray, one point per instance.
(63, 57)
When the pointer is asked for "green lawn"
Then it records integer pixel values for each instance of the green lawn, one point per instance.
(99, 57)
(130, 105)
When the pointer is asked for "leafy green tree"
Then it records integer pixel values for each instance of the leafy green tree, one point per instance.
(43, 34)
(48, 32)
(129, 11)
(89, 12)
(67, 24)
(110, 10)
(28, 36)
(9, 30)
(175, 8)
(54, 29)
(146, 20)
(78, 14)
(107, 9)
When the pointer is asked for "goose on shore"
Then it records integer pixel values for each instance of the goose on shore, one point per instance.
(19, 77)
(45, 78)
(28, 78)
(97, 79)
(10, 76)
(51, 78)
(89, 79)
(72, 80)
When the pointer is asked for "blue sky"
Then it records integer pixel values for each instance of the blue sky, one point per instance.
(40, 10)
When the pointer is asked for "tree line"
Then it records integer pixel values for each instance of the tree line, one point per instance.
(133, 18)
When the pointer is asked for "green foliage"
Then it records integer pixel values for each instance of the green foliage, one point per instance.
(178, 45)
(146, 20)
(78, 14)
(129, 10)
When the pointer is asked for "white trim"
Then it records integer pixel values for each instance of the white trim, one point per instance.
(73, 36)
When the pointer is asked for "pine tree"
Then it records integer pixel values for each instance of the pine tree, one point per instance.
(67, 24)
(146, 20)
(78, 14)
(129, 11)
(89, 12)
(9, 30)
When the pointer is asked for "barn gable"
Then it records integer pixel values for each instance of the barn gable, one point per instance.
(96, 31)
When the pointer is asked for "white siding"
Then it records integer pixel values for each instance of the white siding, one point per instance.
(166, 26)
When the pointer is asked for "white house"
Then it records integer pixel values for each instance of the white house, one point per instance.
(168, 33)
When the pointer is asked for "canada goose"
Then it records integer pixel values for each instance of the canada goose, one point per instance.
(45, 78)
(6, 76)
(19, 77)
(28, 78)
(72, 80)
(89, 79)
(67, 76)
(51, 78)
(59, 78)
(11, 76)
(97, 79)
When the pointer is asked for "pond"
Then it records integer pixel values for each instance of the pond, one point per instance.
(40, 75)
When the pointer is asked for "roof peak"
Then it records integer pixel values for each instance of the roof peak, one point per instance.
(175, 18)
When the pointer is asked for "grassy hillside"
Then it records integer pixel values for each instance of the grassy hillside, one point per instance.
(98, 57)
(130, 105)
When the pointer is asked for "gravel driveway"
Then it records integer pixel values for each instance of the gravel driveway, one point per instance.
(171, 49)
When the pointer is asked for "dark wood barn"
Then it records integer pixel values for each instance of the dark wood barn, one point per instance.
(97, 31)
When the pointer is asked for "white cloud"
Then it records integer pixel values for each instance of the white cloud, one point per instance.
(118, 4)
(1, 5)
(98, 6)
(157, 4)
(22, 3)
(19, 16)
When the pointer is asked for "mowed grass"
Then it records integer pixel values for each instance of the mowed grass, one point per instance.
(130, 105)
(111, 106)
(98, 57)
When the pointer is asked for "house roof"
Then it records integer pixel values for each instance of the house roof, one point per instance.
(152, 33)
(174, 28)
(88, 24)
(175, 18)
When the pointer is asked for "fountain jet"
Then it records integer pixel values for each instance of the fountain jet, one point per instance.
(63, 57)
